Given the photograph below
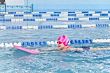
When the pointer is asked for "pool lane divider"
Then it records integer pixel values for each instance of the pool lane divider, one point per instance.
(52, 14)
(54, 19)
(50, 43)
(59, 12)
(69, 26)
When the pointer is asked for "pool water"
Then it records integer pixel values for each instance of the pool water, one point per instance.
(16, 61)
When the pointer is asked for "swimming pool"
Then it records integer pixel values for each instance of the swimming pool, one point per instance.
(15, 61)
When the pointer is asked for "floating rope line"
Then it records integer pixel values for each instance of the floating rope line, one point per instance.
(60, 12)
(69, 26)
(50, 43)
(54, 19)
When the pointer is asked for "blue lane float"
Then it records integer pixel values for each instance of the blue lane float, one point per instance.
(32, 44)
(85, 11)
(5, 20)
(95, 18)
(11, 12)
(51, 19)
(18, 15)
(45, 27)
(2, 15)
(104, 15)
(57, 12)
(102, 25)
(87, 41)
(14, 27)
(37, 15)
(55, 15)
(75, 26)
(72, 19)
(88, 15)
(27, 12)
(28, 19)
(98, 11)
(72, 14)
(42, 12)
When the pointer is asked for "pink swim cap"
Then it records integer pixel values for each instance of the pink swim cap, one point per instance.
(63, 39)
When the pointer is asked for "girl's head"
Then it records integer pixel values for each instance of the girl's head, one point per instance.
(62, 41)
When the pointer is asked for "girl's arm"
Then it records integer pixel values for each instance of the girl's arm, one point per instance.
(49, 49)
(99, 49)
(76, 49)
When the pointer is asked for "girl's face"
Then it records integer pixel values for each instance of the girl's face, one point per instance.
(60, 45)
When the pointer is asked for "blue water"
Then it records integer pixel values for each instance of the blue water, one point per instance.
(54, 62)
(15, 61)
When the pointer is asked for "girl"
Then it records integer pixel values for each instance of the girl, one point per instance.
(62, 43)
